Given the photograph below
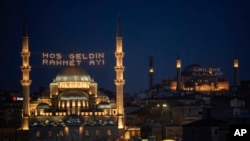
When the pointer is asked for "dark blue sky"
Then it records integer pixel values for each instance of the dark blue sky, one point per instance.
(203, 31)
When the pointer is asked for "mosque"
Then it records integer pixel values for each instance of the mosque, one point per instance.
(74, 109)
(196, 78)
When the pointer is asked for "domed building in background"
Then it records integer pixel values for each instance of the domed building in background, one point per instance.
(199, 79)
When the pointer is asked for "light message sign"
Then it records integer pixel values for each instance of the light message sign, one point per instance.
(73, 59)
(207, 72)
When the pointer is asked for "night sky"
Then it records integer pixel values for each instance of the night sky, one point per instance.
(206, 32)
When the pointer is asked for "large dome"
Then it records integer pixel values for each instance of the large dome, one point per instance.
(189, 70)
(192, 68)
(195, 70)
(72, 74)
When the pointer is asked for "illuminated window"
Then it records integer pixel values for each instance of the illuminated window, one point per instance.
(86, 133)
(61, 133)
(38, 134)
(32, 113)
(50, 134)
(109, 133)
(97, 132)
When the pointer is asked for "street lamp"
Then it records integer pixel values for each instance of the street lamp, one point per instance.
(163, 107)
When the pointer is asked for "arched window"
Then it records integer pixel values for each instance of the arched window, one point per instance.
(109, 132)
(86, 133)
(61, 133)
(38, 134)
(50, 134)
(97, 132)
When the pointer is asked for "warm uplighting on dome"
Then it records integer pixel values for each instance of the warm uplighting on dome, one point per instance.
(73, 74)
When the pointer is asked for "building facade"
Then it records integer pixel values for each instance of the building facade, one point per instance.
(74, 109)
(198, 78)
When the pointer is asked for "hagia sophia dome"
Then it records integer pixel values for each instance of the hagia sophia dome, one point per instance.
(194, 69)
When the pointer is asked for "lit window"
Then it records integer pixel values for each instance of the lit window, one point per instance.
(97, 133)
(50, 134)
(38, 134)
(61, 133)
(86, 133)
(109, 133)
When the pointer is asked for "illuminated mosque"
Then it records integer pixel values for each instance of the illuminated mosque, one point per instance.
(74, 109)
(200, 79)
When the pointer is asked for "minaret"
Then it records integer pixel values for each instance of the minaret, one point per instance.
(25, 82)
(210, 70)
(178, 73)
(151, 72)
(236, 67)
(119, 81)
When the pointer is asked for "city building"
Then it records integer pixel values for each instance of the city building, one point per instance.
(74, 109)
(205, 129)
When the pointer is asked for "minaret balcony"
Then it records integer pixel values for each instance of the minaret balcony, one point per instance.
(25, 67)
(119, 54)
(25, 53)
(236, 64)
(119, 82)
(25, 82)
(119, 68)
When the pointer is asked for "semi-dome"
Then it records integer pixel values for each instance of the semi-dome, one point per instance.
(43, 106)
(72, 74)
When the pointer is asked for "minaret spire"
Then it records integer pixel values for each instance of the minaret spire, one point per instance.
(178, 73)
(119, 81)
(118, 30)
(236, 69)
(151, 72)
(25, 82)
(25, 31)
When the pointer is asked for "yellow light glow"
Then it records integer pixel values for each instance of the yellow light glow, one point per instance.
(151, 70)
(25, 123)
(127, 135)
(236, 63)
(66, 130)
(80, 130)
(178, 63)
